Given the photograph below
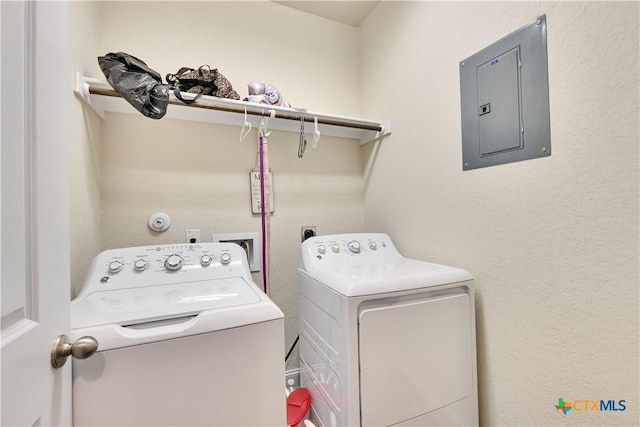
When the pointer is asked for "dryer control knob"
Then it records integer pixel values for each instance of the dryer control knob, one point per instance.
(322, 249)
(335, 247)
(354, 246)
(373, 245)
(173, 262)
(205, 260)
(115, 267)
(225, 258)
(140, 265)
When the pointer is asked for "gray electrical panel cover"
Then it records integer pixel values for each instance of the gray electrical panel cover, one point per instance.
(504, 94)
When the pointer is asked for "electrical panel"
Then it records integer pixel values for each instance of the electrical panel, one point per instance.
(504, 94)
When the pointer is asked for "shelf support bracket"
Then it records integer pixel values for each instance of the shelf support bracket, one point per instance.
(82, 92)
(386, 130)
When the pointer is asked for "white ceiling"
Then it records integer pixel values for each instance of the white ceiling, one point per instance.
(348, 12)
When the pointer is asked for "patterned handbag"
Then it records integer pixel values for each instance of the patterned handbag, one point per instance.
(201, 81)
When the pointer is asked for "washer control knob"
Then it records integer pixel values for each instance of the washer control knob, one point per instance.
(373, 245)
(322, 249)
(115, 267)
(354, 246)
(335, 247)
(173, 262)
(205, 260)
(140, 265)
(225, 258)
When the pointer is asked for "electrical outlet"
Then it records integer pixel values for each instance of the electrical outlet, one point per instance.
(193, 236)
(307, 231)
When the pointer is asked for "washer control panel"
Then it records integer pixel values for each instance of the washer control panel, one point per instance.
(165, 264)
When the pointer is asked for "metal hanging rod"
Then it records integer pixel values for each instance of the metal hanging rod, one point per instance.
(101, 97)
(258, 110)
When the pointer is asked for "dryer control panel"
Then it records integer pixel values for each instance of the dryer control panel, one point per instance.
(367, 247)
(165, 264)
(369, 263)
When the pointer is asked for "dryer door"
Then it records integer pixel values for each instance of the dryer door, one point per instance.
(415, 357)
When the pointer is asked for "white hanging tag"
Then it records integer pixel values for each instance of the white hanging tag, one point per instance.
(255, 191)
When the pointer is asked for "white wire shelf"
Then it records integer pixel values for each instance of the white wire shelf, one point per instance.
(101, 97)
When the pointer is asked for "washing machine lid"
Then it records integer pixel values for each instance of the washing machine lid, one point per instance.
(132, 306)
(369, 278)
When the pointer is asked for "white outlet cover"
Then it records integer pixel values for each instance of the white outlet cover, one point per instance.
(189, 234)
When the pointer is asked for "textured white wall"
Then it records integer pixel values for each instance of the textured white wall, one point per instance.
(311, 60)
(199, 173)
(85, 135)
(552, 242)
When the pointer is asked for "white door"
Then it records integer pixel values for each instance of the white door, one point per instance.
(34, 259)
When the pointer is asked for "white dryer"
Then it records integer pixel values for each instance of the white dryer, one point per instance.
(185, 337)
(385, 340)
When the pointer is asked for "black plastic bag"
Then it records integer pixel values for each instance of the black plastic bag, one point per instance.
(137, 83)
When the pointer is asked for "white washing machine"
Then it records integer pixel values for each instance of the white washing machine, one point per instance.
(185, 337)
(385, 340)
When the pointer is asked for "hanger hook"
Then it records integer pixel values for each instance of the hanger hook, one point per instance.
(263, 127)
(316, 133)
(303, 138)
(246, 126)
